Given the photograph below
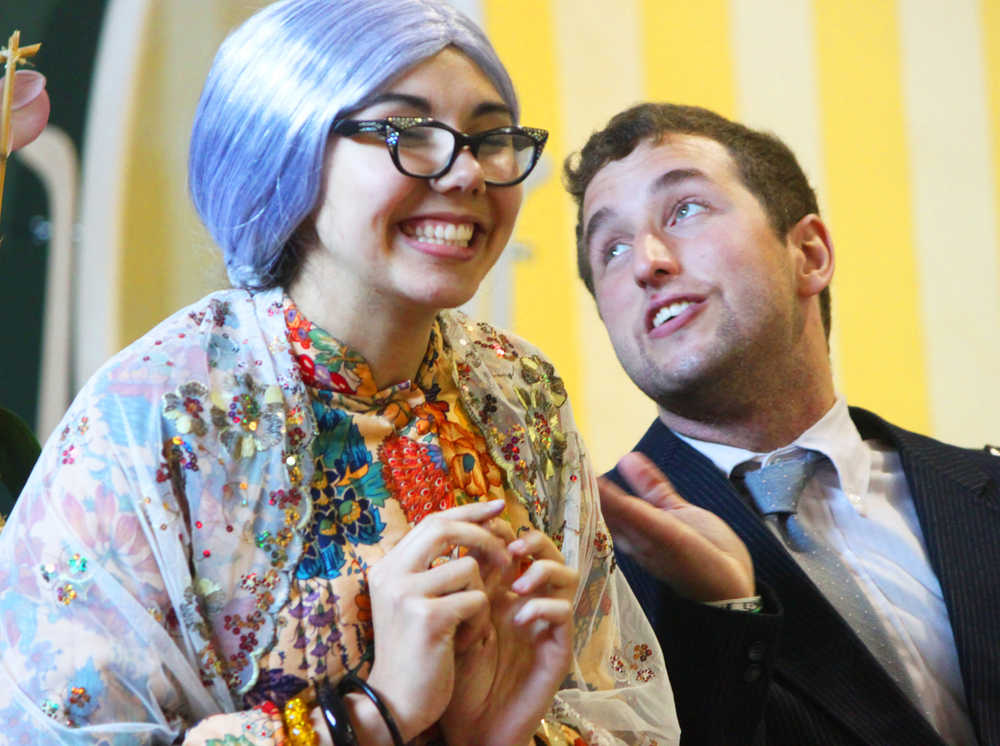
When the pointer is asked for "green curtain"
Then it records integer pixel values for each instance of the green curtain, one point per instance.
(69, 31)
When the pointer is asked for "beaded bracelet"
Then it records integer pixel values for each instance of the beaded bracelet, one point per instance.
(353, 682)
(335, 714)
(751, 604)
(297, 725)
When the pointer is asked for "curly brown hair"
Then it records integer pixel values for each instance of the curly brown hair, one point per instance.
(766, 166)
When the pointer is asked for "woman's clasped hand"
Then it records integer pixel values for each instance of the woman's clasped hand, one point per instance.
(469, 630)
(504, 682)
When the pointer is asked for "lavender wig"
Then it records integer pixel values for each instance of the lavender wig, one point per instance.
(276, 86)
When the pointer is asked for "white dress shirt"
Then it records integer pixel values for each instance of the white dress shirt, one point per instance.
(859, 505)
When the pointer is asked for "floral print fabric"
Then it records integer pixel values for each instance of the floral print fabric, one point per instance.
(191, 547)
(382, 461)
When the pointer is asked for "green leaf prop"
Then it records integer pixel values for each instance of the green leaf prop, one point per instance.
(19, 450)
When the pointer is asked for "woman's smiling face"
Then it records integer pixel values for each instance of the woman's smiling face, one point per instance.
(422, 244)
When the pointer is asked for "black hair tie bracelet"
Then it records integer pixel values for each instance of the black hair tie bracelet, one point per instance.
(335, 714)
(353, 682)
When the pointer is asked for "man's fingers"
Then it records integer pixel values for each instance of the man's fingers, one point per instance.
(638, 527)
(648, 482)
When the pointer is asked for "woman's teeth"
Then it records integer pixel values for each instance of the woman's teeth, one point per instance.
(668, 312)
(444, 233)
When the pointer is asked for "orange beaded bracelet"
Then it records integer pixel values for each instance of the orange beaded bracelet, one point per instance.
(297, 724)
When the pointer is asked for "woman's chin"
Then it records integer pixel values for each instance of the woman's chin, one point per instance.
(448, 295)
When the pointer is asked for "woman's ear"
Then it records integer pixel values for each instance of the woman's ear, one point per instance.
(812, 254)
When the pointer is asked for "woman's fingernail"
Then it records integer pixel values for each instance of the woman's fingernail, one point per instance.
(28, 84)
(517, 545)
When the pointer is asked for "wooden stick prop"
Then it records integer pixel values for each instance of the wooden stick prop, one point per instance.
(13, 55)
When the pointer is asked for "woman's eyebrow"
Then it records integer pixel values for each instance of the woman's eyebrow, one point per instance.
(417, 102)
(424, 105)
(492, 107)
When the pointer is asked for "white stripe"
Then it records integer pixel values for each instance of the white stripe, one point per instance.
(776, 83)
(53, 157)
(777, 87)
(954, 193)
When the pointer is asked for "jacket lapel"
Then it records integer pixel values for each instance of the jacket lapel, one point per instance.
(820, 656)
(957, 500)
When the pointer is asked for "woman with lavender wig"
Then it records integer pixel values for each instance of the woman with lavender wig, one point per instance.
(319, 507)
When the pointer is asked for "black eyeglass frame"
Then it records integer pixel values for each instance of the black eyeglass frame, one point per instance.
(391, 127)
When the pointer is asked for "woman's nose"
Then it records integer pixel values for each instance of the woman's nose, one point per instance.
(466, 174)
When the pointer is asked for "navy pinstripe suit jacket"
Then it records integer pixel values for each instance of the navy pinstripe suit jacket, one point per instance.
(797, 674)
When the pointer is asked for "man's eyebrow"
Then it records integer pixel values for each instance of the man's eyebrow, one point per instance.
(599, 218)
(676, 176)
(664, 181)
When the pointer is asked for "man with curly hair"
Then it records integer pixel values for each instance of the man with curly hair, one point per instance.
(825, 577)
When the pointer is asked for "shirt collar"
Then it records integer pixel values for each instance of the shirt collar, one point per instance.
(834, 435)
(327, 364)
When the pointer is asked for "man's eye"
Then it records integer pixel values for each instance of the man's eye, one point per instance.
(686, 210)
(616, 249)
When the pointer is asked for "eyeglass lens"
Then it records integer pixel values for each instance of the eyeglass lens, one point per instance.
(424, 150)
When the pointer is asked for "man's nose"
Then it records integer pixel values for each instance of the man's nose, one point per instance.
(654, 259)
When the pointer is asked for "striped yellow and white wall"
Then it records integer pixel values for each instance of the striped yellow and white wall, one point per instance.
(892, 106)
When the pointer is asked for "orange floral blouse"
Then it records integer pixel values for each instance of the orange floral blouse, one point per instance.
(383, 461)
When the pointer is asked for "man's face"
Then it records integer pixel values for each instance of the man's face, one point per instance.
(697, 292)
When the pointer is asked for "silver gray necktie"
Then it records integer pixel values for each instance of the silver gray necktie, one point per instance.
(775, 490)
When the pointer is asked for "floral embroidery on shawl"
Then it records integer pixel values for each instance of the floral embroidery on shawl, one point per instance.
(191, 550)
(249, 420)
(531, 445)
(241, 425)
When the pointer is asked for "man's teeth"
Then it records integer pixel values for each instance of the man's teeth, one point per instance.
(668, 312)
(444, 233)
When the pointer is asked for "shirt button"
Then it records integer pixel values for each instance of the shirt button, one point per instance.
(756, 651)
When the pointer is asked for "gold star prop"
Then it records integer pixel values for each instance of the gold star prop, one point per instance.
(12, 55)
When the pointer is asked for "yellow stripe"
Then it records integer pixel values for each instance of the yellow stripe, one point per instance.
(167, 258)
(146, 264)
(991, 47)
(687, 53)
(600, 74)
(543, 294)
(876, 304)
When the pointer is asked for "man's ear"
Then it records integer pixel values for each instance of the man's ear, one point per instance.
(812, 254)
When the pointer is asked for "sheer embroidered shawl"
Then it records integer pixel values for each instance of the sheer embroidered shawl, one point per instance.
(149, 520)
